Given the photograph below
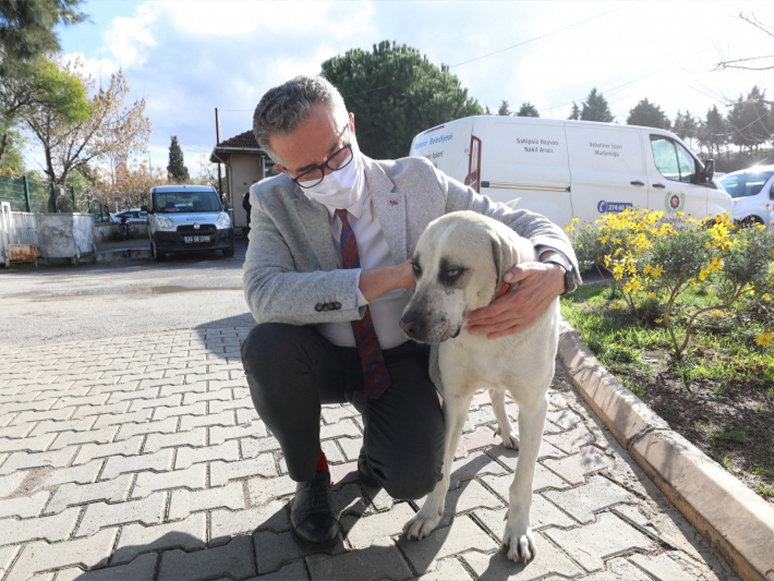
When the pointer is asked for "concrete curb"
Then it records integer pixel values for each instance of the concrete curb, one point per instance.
(733, 519)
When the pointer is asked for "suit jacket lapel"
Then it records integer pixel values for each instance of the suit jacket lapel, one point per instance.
(315, 221)
(390, 208)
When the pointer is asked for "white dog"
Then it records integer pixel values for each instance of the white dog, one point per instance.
(458, 264)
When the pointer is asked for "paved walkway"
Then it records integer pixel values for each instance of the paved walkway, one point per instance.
(143, 458)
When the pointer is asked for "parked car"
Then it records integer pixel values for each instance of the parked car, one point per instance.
(187, 218)
(751, 190)
(574, 169)
(133, 215)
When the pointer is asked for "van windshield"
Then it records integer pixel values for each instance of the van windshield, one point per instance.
(178, 202)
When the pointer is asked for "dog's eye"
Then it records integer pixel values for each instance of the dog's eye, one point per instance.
(417, 270)
(454, 273)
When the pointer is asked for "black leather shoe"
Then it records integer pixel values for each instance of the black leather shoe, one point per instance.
(311, 517)
(364, 472)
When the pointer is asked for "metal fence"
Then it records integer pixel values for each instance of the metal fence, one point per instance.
(26, 195)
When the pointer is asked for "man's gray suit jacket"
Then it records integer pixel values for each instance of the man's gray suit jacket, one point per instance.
(290, 271)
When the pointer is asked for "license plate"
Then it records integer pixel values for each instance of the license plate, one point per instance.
(195, 239)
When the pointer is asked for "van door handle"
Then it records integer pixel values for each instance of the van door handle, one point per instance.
(659, 186)
(637, 183)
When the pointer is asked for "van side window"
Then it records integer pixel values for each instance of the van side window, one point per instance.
(673, 161)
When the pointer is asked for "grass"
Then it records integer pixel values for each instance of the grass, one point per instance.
(720, 395)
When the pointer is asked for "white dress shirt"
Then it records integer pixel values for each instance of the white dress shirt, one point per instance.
(374, 252)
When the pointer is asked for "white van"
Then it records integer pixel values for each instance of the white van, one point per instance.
(569, 169)
(752, 191)
(185, 218)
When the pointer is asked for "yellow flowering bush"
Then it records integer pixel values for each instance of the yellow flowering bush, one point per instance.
(653, 260)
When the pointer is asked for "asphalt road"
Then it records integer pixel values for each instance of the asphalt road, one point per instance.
(121, 298)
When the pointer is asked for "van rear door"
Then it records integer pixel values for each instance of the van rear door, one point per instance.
(607, 167)
(446, 146)
(524, 164)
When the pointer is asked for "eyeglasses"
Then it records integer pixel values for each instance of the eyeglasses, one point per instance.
(339, 159)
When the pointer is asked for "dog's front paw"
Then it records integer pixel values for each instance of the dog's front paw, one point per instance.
(510, 440)
(422, 525)
(520, 545)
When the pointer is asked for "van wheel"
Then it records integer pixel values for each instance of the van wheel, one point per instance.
(228, 252)
(157, 256)
(750, 221)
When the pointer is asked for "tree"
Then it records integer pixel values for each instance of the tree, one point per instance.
(595, 108)
(176, 166)
(28, 79)
(575, 113)
(527, 110)
(42, 85)
(685, 126)
(110, 131)
(648, 114)
(27, 28)
(504, 109)
(395, 93)
(713, 132)
(749, 120)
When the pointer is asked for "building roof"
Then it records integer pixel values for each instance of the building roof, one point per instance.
(242, 143)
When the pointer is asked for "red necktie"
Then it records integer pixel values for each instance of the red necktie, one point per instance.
(377, 378)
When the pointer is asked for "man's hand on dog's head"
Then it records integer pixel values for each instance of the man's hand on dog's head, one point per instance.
(536, 286)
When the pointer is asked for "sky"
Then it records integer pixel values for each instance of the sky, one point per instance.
(188, 57)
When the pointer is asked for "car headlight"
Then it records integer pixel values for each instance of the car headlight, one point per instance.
(164, 223)
(224, 221)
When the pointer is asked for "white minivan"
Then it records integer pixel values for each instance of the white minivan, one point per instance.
(752, 191)
(574, 169)
(184, 218)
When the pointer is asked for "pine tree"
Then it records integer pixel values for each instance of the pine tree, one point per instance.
(648, 114)
(527, 110)
(504, 109)
(595, 108)
(575, 114)
(176, 166)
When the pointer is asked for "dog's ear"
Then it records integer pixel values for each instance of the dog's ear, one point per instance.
(503, 257)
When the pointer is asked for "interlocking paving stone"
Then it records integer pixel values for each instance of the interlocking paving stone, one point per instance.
(222, 419)
(131, 429)
(228, 523)
(253, 446)
(295, 570)
(377, 529)
(7, 555)
(542, 515)
(582, 502)
(607, 537)
(40, 556)
(24, 507)
(135, 539)
(222, 472)
(143, 568)
(89, 452)
(447, 569)
(234, 560)
(184, 502)
(9, 483)
(372, 563)
(148, 511)
(29, 444)
(273, 550)
(196, 437)
(160, 461)
(549, 563)
(51, 528)
(575, 468)
(24, 460)
(71, 494)
(197, 409)
(462, 535)
(661, 567)
(149, 482)
(572, 440)
(138, 417)
(187, 457)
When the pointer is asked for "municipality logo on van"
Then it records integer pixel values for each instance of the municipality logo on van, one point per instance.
(603, 206)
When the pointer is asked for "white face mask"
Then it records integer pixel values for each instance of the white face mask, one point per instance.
(342, 188)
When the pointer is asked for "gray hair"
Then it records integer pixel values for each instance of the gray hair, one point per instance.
(285, 107)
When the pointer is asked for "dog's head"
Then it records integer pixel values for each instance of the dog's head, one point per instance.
(459, 263)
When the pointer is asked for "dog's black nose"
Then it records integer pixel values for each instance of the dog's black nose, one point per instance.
(410, 327)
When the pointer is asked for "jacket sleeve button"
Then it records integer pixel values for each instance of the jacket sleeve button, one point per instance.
(318, 307)
(337, 306)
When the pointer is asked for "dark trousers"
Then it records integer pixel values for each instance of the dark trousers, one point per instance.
(292, 370)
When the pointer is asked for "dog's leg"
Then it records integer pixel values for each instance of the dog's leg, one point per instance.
(518, 539)
(510, 440)
(455, 410)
